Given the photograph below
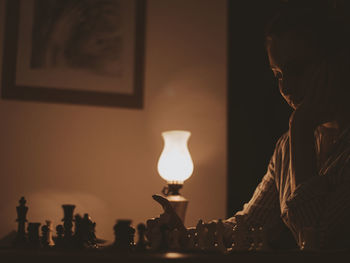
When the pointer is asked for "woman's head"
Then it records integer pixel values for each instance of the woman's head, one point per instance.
(297, 39)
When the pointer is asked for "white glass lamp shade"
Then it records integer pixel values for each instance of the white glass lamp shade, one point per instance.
(175, 164)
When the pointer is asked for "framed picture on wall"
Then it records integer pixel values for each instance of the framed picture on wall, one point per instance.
(87, 52)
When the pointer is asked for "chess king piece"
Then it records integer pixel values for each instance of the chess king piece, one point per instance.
(46, 236)
(124, 235)
(68, 224)
(33, 235)
(22, 209)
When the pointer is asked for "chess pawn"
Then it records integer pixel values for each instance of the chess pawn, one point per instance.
(46, 236)
(141, 245)
(22, 209)
(59, 236)
(124, 235)
(33, 235)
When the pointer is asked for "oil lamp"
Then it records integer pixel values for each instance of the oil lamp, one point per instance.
(175, 165)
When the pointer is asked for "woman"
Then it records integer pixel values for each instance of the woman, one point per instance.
(306, 186)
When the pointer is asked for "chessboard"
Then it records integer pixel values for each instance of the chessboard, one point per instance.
(75, 241)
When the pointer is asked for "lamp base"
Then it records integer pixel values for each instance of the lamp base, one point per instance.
(179, 203)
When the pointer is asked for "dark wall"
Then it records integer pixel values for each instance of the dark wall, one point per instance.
(257, 113)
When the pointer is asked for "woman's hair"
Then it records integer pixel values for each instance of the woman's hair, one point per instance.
(319, 27)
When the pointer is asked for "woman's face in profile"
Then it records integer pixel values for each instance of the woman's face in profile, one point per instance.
(289, 58)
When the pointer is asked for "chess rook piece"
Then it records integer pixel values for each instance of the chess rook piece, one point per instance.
(46, 235)
(68, 223)
(33, 235)
(141, 245)
(22, 209)
(124, 235)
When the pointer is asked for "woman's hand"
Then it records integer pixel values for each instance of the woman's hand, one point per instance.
(168, 220)
(318, 105)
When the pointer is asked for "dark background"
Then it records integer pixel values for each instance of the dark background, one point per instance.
(257, 113)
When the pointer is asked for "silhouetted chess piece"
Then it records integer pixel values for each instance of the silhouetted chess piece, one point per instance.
(46, 235)
(21, 239)
(90, 227)
(68, 225)
(59, 236)
(124, 235)
(33, 235)
(84, 236)
(141, 244)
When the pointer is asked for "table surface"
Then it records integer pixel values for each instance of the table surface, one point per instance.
(53, 256)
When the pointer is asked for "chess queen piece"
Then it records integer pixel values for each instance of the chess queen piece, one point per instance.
(33, 235)
(22, 209)
(124, 235)
(68, 211)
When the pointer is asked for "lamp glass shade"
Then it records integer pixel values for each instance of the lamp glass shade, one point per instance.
(175, 164)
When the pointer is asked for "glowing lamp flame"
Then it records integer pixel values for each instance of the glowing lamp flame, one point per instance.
(175, 164)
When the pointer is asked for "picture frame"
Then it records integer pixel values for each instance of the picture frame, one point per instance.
(75, 52)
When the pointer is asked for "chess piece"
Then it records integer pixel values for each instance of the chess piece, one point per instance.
(192, 240)
(220, 229)
(240, 235)
(68, 220)
(46, 236)
(68, 224)
(33, 235)
(263, 243)
(254, 239)
(141, 244)
(154, 234)
(89, 230)
(174, 239)
(22, 209)
(165, 231)
(124, 236)
(202, 233)
(59, 236)
(211, 236)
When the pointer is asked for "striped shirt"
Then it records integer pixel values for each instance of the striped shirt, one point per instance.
(320, 206)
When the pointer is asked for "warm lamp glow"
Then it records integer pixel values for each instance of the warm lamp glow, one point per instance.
(175, 163)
